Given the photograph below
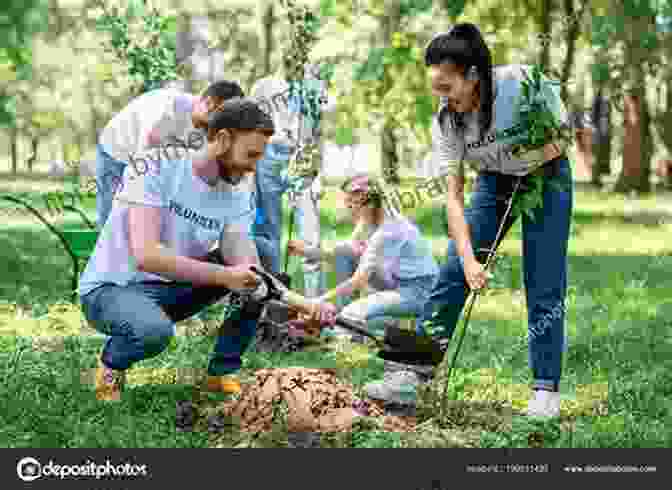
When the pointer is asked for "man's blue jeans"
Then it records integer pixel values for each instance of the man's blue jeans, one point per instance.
(267, 229)
(545, 244)
(140, 320)
(109, 173)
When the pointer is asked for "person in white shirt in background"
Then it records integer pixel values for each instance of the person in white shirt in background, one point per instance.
(153, 120)
(294, 130)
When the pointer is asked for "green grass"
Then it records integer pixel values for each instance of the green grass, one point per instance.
(617, 383)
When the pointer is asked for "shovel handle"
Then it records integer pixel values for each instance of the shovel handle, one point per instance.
(291, 230)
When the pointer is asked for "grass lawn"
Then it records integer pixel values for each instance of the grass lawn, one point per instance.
(617, 385)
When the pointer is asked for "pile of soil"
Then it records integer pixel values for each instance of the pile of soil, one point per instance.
(315, 400)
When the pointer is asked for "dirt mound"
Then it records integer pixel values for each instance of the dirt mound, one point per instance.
(315, 400)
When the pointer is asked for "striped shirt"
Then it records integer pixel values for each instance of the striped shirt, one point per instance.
(398, 251)
(395, 249)
(497, 150)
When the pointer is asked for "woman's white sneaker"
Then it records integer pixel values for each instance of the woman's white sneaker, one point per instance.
(545, 404)
(396, 387)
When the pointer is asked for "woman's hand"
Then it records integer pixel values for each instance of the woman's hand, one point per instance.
(475, 274)
(323, 312)
(296, 247)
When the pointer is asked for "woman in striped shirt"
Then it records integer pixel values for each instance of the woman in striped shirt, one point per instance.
(389, 254)
(478, 121)
(386, 252)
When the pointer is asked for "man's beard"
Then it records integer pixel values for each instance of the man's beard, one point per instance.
(226, 173)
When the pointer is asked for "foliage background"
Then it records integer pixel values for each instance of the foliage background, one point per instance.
(79, 80)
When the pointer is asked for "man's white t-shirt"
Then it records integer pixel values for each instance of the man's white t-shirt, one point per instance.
(165, 113)
(193, 215)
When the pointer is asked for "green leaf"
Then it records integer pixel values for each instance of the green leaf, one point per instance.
(649, 40)
(169, 25)
(24, 71)
(600, 73)
(455, 8)
(327, 8)
(638, 8)
(410, 8)
(398, 56)
(135, 9)
(424, 110)
(327, 71)
(7, 111)
(345, 136)
(373, 68)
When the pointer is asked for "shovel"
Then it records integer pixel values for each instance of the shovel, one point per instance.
(417, 349)
(284, 277)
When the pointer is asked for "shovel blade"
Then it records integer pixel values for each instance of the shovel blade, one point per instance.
(408, 347)
(414, 358)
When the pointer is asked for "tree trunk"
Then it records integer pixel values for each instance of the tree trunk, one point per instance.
(637, 145)
(545, 23)
(663, 123)
(647, 148)
(571, 36)
(602, 139)
(34, 145)
(583, 157)
(184, 50)
(601, 120)
(389, 156)
(14, 149)
(638, 140)
(269, 21)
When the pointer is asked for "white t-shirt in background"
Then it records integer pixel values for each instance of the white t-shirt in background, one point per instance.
(164, 112)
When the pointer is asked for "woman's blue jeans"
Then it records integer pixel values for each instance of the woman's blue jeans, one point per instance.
(545, 243)
(383, 304)
(140, 320)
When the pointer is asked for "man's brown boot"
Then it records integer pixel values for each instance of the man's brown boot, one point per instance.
(223, 384)
(109, 383)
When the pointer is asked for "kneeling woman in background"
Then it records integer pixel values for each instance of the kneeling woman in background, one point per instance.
(389, 254)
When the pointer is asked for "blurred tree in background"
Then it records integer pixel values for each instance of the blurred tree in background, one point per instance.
(20, 20)
(634, 59)
(92, 64)
(142, 39)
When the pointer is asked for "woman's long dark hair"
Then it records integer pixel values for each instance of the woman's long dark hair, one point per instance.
(465, 47)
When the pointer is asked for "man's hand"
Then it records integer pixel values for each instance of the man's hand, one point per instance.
(359, 247)
(240, 277)
(475, 274)
(296, 247)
